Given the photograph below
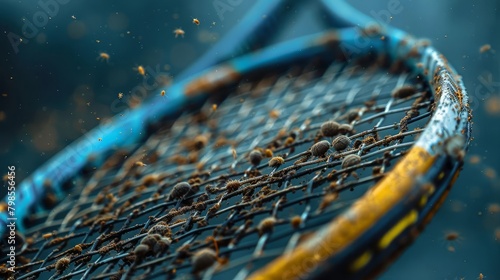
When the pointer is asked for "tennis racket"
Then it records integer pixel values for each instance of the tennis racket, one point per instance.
(323, 156)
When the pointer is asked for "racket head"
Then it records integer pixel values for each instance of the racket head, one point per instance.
(430, 159)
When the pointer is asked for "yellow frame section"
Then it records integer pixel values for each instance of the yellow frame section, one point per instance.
(347, 227)
(396, 230)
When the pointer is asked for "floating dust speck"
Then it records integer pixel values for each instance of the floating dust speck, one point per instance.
(452, 236)
(474, 159)
(490, 173)
(179, 32)
(493, 208)
(497, 234)
(492, 105)
(485, 48)
(103, 57)
(140, 70)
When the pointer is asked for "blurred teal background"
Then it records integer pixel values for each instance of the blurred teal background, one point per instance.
(53, 89)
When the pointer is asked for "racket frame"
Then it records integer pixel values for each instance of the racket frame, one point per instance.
(400, 218)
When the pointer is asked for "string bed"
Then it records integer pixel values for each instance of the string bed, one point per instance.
(222, 190)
